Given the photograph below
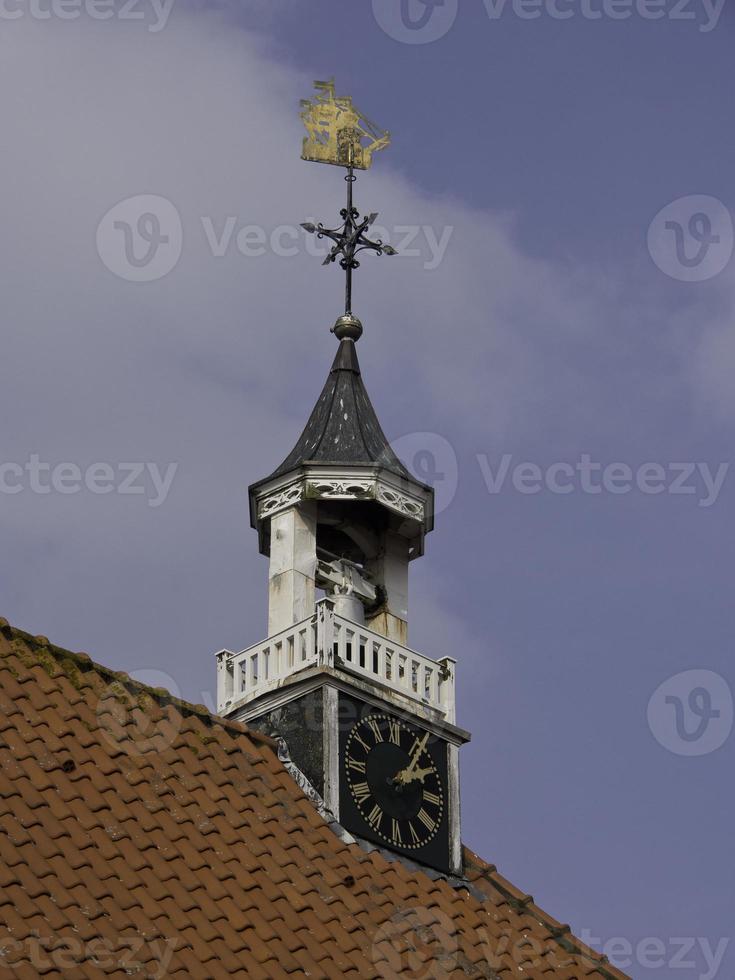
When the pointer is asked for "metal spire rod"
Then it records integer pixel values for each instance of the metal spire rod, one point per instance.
(350, 178)
(349, 239)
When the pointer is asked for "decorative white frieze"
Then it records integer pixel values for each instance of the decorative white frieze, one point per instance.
(280, 500)
(400, 502)
(349, 489)
(342, 487)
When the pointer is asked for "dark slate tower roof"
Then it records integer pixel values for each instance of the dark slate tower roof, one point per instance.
(343, 428)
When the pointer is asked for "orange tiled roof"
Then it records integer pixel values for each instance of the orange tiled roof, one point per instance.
(143, 836)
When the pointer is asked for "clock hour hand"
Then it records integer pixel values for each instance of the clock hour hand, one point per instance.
(418, 775)
(407, 775)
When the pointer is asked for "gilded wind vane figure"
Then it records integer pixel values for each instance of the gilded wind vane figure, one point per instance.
(339, 134)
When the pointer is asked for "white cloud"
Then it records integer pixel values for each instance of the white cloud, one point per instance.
(216, 365)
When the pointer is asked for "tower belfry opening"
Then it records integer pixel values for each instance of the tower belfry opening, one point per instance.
(342, 498)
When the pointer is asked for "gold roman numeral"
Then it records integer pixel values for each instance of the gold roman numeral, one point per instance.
(432, 798)
(356, 766)
(361, 791)
(394, 731)
(374, 817)
(362, 742)
(397, 833)
(414, 836)
(375, 728)
(426, 820)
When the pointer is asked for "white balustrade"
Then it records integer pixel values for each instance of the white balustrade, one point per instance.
(329, 640)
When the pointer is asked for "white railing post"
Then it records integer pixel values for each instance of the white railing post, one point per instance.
(225, 679)
(325, 633)
(447, 692)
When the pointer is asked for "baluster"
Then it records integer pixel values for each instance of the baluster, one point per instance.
(347, 652)
(379, 654)
(447, 694)
(225, 678)
(434, 685)
(428, 683)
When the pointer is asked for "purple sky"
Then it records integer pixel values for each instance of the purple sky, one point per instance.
(544, 332)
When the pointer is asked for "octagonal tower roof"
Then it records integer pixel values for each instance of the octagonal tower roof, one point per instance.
(343, 427)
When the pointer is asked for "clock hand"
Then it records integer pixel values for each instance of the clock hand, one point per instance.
(405, 775)
(418, 775)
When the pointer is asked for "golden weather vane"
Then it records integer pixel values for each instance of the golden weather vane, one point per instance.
(339, 134)
(337, 129)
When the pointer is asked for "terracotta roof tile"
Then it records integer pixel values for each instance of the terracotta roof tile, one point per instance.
(135, 827)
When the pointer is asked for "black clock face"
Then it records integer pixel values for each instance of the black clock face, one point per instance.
(394, 777)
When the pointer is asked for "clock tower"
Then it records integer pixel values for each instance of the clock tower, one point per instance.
(368, 721)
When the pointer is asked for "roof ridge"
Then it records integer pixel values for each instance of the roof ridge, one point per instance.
(360, 424)
(159, 694)
(332, 371)
(561, 933)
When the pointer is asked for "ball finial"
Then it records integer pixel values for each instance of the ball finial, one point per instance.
(347, 327)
